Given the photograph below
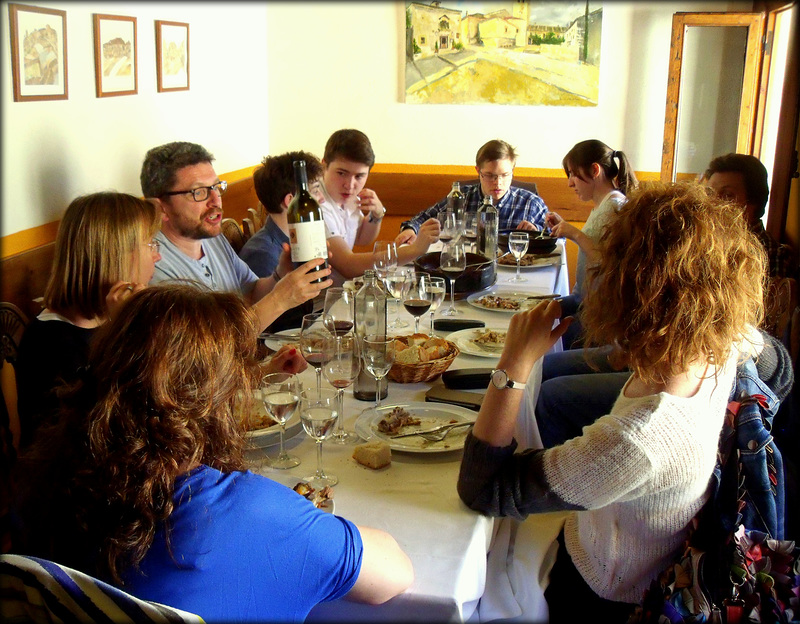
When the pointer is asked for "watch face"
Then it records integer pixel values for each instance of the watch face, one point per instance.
(499, 378)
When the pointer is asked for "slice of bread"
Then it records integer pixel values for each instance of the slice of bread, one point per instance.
(373, 455)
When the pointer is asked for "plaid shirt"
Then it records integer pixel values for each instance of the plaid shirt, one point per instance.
(516, 205)
(777, 253)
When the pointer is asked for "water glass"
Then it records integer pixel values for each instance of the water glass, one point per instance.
(280, 393)
(437, 287)
(318, 415)
(453, 262)
(377, 353)
(518, 245)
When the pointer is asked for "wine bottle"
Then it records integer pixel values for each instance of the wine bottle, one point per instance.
(487, 229)
(306, 227)
(456, 201)
(370, 319)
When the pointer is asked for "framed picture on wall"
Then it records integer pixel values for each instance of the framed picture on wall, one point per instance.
(38, 53)
(172, 56)
(115, 55)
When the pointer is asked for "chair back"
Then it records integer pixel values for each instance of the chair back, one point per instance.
(233, 232)
(257, 216)
(12, 325)
(248, 227)
(38, 590)
(528, 186)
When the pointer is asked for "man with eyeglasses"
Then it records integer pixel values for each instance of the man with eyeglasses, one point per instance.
(517, 208)
(181, 180)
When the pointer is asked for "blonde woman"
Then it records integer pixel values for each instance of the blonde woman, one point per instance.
(678, 288)
(104, 251)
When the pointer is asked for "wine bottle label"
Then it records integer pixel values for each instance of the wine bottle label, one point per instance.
(307, 241)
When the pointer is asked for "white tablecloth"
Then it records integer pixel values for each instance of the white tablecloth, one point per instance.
(415, 498)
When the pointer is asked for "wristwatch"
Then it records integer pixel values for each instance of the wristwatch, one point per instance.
(373, 218)
(500, 380)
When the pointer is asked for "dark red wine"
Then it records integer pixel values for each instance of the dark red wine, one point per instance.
(340, 383)
(315, 359)
(338, 328)
(417, 307)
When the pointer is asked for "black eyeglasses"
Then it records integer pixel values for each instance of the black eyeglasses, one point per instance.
(201, 193)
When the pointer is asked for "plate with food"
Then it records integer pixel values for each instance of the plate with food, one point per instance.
(483, 342)
(321, 497)
(508, 301)
(529, 261)
(261, 431)
(393, 424)
(284, 337)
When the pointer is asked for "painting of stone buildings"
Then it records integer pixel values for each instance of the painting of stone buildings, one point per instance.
(520, 52)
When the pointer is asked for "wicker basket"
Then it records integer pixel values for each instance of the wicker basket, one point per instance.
(424, 371)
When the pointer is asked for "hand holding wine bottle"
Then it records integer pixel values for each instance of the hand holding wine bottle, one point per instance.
(306, 227)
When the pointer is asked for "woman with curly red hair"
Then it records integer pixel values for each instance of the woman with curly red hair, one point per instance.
(678, 288)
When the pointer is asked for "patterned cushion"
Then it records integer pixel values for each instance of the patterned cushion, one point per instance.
(37, 590)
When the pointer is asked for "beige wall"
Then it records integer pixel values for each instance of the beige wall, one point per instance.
(55, 151)
(261, 85)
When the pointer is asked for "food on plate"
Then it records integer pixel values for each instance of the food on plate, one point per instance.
(373, 455)
(419, 348)
(257, 418)
(318, 497)
(526, 260)
(490, 338)
(396, 420)
(499, 303)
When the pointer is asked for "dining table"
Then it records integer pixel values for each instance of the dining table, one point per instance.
(453, 549)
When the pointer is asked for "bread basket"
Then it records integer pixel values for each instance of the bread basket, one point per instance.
(423, 371)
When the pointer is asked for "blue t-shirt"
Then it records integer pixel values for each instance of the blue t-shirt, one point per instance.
(220, 268)
(263, 249)
(247, 548)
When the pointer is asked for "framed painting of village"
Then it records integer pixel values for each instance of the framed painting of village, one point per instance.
(38, 53)
(523, 52)
(115, 55)
(172, 56)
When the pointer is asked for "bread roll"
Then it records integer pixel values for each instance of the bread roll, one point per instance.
(373, 455)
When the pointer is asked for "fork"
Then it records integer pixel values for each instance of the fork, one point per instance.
(438, 436)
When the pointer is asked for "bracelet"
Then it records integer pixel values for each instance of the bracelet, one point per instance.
(372, 215)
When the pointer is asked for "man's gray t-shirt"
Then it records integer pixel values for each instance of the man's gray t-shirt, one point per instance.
(220, 268)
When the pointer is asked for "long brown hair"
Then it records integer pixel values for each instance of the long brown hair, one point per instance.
(614, 163)
(158, 400)
(96, 239)
(680, 279)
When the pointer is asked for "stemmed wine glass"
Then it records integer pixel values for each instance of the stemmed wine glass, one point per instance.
(384, 261)
(417, 296)
(338, 310)
(312, 338)
(280, 393)
(318, 415)
(437, 288)
(377, 352)
(450, 226)
(453, 262)
(518, 245)
(395, 283)
(342, 365)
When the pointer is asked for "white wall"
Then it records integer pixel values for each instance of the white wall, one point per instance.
(349, 74)
(320, 67)
(55, 151)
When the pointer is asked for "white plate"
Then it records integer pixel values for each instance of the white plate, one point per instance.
(538, 263)
(464, 341)
(262, 438)
(274, 344)
(517, 295)
(290, 481)
(430, 414)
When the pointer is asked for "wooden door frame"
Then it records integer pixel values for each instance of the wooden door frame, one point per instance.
(755, 24)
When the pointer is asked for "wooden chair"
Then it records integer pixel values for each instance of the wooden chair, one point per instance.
(12, 325)
(529, 186)
(233, 232)
(248, 227)
(780, 303)
(257, 216)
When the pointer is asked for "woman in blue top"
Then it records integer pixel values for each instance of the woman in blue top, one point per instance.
(144, 484)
